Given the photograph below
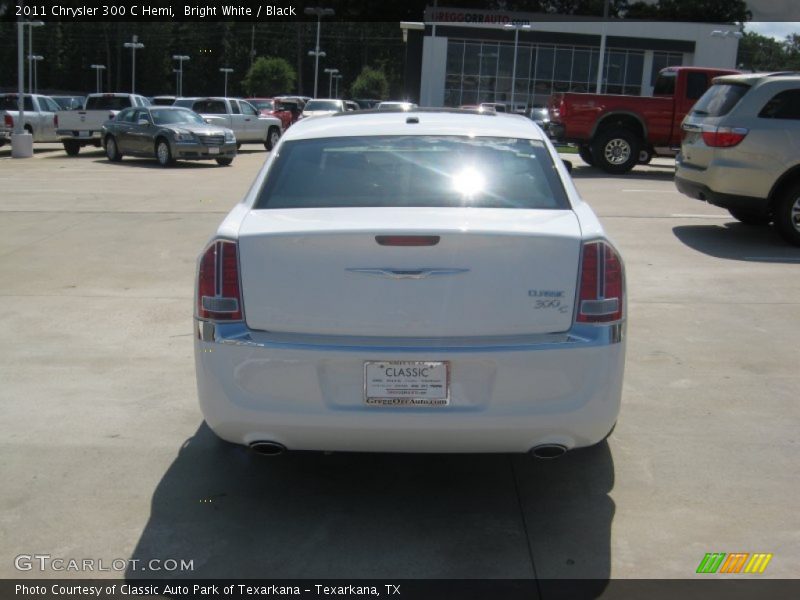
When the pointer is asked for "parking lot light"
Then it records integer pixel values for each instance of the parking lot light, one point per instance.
(516, 27)
(180, 58)
(134, 45)
(21, 140)
(31, 25)
(317, 53)
(336, 78)
(331, 73)
(226, 70)
(97, 69)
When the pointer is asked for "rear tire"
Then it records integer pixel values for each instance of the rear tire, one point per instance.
(112, 151)
(645, 156)
(273, 135)
(71, 147)
(585, 152)
(748, 218)
(224, 161)
(787, 215)
(616, 151)
(164, 153)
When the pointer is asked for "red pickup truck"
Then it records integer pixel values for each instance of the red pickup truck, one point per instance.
(615, 133)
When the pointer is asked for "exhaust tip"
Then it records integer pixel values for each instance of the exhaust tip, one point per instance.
(267, 448)
(548, 451)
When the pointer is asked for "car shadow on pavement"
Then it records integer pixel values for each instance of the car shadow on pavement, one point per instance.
(313, 515)
(581, 170)
(147, 163)
(737, 241)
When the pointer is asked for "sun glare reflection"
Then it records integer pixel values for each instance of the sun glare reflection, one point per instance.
(469, 182)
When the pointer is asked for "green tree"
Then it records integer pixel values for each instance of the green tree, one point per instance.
(370, 83)
(269, 77)
(760, 53)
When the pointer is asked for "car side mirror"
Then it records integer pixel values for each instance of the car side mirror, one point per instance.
(568, 164)
(143, 122)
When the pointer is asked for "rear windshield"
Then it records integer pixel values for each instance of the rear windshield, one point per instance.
(12, 103)
(166, 116)
(719, 99)
(108, 102)
(263, 104)
(399, 171)
(323, 105)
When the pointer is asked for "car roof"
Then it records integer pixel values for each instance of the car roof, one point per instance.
(756, 78)
(415, 122)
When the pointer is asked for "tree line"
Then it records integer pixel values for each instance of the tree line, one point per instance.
(69, 50)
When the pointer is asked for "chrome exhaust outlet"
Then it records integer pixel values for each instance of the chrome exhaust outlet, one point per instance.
(548, 451)
(267, 448)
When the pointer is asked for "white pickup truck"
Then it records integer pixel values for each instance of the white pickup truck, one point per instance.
(78, 128)
(248, 125)
(39, 120)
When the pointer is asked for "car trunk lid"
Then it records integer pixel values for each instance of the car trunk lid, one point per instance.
(409, 272)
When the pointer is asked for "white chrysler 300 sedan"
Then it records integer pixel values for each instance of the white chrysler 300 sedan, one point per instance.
(424, 281)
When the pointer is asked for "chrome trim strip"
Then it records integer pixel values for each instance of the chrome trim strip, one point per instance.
(420, 273)
(580, 336)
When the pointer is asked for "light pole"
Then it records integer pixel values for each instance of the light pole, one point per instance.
(226, 70)
(31, 25)
(336, 87)
(331, 73)
(180, 58)
(21, 140)
(35, 58)
(134, 45)
(316, 53)
(516, 27)
(97, 69)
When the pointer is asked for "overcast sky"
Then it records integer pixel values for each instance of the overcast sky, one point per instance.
(777, 30)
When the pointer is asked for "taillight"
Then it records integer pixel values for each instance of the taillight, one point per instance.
(218, 294)
(602, 286)
(9, 122)
(562, 108)
(723, 137)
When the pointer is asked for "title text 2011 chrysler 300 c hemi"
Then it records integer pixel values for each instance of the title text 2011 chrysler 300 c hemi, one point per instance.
(424, 281)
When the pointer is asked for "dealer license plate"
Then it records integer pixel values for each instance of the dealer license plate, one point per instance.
(406, 383)
(213, 150)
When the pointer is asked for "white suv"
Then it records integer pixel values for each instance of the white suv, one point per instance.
(741, 150)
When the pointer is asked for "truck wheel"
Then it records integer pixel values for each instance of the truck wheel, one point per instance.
(163, 153)
(112, 151)
(645, 156)
(273, 135)
(224, 161)
(787, 215)
(585, 152)
(71, 147)
(749, 218)
(616, 151)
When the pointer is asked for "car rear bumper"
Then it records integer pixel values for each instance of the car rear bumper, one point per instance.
(89, 136)
(701, 191)
(713, 185)
(506, 394)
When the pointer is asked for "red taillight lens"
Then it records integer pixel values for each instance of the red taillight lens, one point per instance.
(602, 286)
(723, 137)
(562, 108)
(9, 122)
(218, 294)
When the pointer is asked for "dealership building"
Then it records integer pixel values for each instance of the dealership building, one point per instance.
(464, 56)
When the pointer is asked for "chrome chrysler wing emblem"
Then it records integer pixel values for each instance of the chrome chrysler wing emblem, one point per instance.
(421, 273)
